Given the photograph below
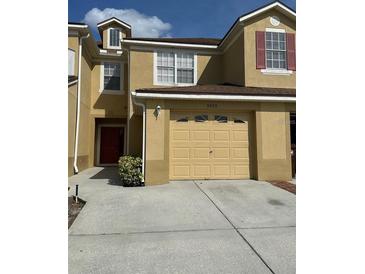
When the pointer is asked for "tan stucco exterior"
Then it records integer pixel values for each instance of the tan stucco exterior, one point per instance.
(95, 104)
(269, 124)
(105, 33)
(269, 136)
(254, 77)
(83, 148)
(234, 63)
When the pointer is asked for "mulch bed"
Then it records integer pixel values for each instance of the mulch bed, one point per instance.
(284, 185)
(74, 209)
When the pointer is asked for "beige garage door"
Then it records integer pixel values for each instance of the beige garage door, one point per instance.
(209, 146)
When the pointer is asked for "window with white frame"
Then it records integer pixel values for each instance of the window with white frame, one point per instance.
(166, 67)
(112, 76)
(114, 37)
(175, 68)
(71, 62)
(185, 68)
(275, 50)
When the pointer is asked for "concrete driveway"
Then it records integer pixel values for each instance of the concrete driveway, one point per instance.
(183, 227)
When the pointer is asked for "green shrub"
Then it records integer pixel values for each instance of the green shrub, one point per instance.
(130, 171)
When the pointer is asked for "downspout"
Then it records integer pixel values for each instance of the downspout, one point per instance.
(128, 90)
(76, 170)
(143, 134)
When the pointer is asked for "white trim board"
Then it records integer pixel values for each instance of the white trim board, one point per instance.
(275, 30)
(275, 4)
(252, 14)
(248, 98)
(77, 26)
(98, 139)
(120, 38)
(113, 20)
(181, 45)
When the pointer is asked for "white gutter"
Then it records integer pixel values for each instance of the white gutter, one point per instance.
(77, 26)
(246, 98)
(181, 45)
(144, 134)
(76, 170)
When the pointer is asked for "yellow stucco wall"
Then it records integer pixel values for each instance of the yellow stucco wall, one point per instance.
(269, 136)
(103, 105)
(209, 69)
(233, 62)
(273, 142)
(157, 140)
(254, 77)
(83, 148)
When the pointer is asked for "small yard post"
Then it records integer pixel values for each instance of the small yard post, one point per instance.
(77, 193)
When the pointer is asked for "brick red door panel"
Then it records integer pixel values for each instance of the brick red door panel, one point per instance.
(111, 144)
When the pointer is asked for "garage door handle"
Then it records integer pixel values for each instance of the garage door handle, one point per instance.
(211, 151)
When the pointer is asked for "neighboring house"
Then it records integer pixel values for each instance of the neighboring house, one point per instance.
(192, 108)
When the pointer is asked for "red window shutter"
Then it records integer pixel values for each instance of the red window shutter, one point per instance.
(290, 52)
(260, 50)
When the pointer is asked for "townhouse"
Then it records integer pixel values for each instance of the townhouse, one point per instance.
(192, 108)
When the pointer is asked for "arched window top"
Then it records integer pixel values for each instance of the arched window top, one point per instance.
(201, 118)
(183, 120)
(239, 121)
(221, 118)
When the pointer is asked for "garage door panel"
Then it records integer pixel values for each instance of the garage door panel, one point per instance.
(180, 135)
(218, 144)
(220, 153)
(240, 170)
(221, 171)
(221, 135)
(181, 171)
(239, 153)
(209, 149)
(239, 135)
(180, 153)
(202, 171)
(200, 153)
(180, 144)
(199, 135)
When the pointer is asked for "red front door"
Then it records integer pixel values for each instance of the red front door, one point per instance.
(111, 144)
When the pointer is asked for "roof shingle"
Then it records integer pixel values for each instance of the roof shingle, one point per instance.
(224, 89)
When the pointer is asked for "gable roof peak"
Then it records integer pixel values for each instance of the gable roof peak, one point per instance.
(113, 20)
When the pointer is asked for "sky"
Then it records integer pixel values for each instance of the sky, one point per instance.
(163, 18)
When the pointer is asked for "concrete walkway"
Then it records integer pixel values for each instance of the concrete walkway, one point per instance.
(183, 227)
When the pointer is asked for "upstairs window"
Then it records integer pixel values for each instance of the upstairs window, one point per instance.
(71, 62)
(112, 76)
(114, 37)
(185, 68)
(275, 50)
(166, 67)
(174, 68)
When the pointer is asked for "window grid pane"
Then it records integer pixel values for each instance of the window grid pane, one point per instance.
(275, 50)
(166, 67)
(111, 76)
(114, 37)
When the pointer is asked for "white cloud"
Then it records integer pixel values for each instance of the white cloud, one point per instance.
(142, 25)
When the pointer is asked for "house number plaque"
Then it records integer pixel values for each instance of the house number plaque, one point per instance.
(212, 105)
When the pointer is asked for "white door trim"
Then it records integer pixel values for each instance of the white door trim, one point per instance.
(98, 139)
